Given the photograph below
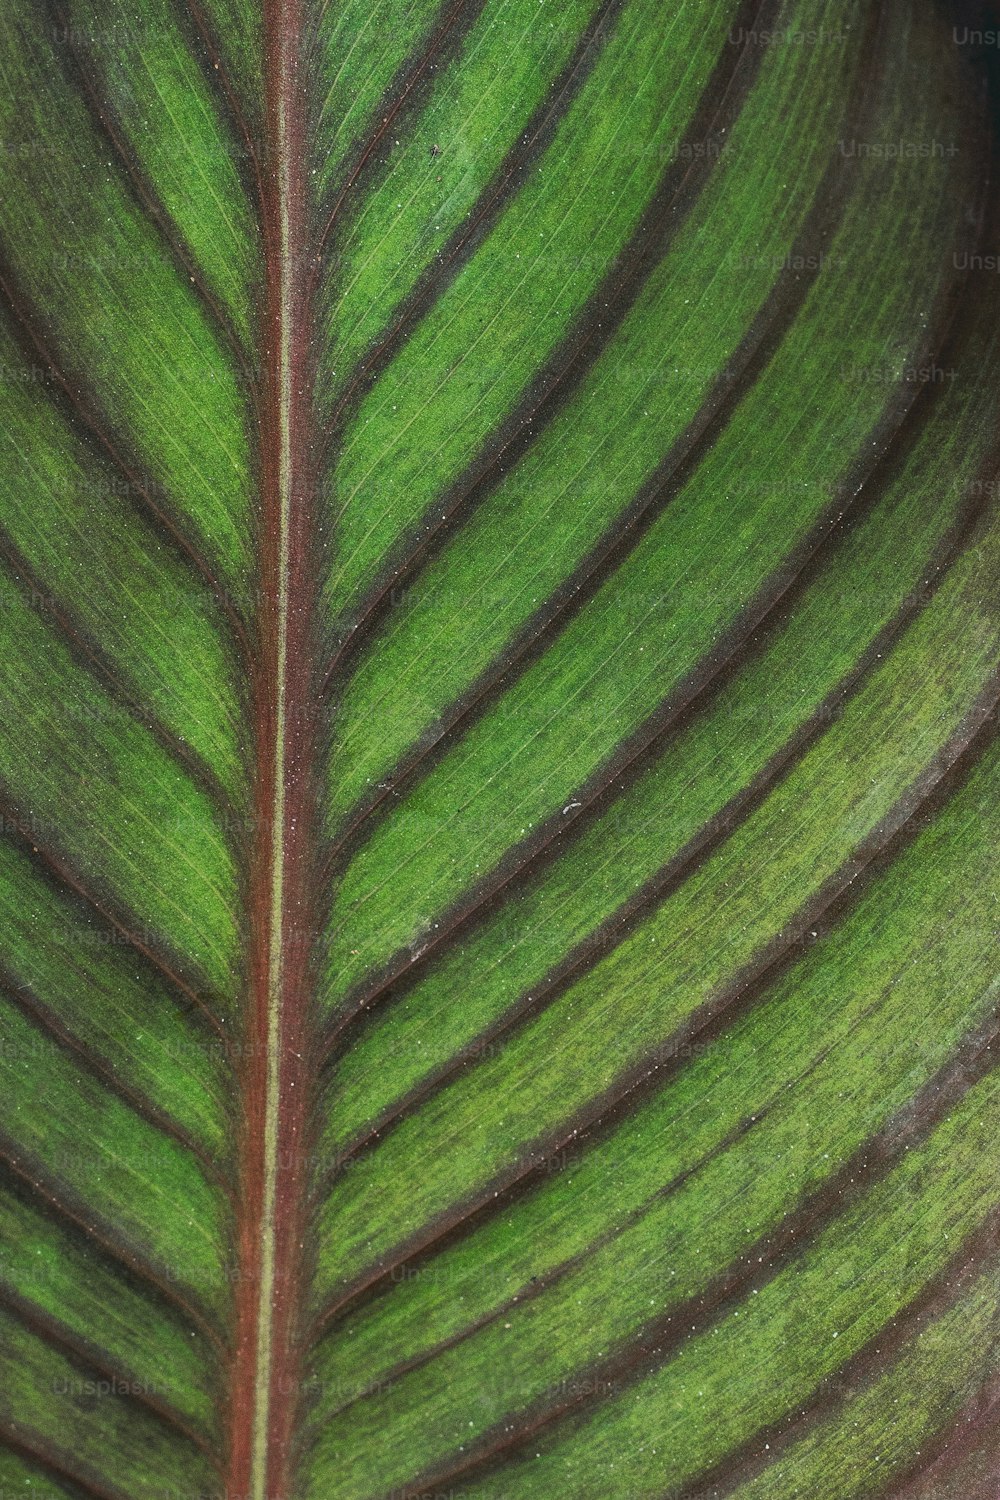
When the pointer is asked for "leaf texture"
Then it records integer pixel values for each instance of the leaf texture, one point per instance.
(498, 881)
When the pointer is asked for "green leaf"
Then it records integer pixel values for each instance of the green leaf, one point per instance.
(499, 606)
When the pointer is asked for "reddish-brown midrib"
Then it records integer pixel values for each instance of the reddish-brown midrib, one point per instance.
(286, 317)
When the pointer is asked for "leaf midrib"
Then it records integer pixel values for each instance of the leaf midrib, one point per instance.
(273, 1092)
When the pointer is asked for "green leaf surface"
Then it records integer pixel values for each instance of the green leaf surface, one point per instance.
(500, 607)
